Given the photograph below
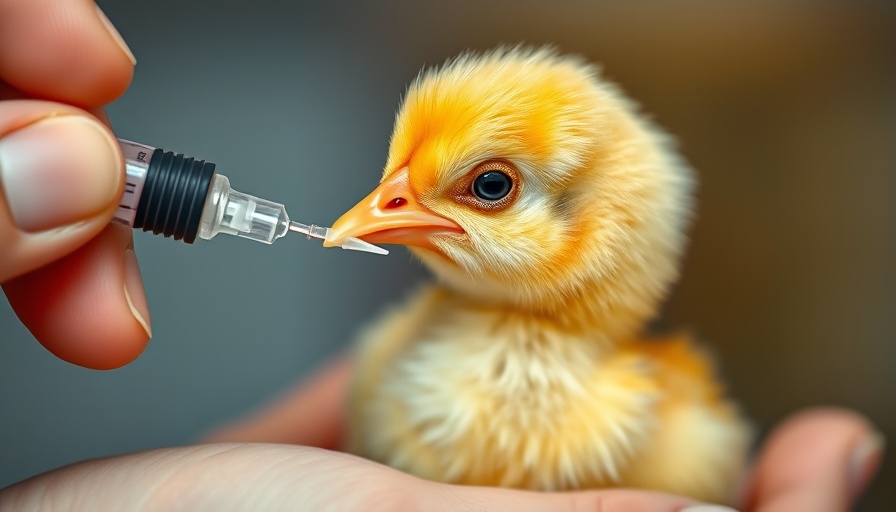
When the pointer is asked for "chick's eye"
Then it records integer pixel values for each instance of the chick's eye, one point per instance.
(492, 186)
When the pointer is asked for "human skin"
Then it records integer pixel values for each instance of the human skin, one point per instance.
(70, 277)
(818, 460)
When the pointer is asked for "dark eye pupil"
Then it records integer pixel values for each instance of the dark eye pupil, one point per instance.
(492, 186)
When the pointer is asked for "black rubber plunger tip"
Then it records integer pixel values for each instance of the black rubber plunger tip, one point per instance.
(174, 194)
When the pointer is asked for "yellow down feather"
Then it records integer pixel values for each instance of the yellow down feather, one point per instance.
(526, 364)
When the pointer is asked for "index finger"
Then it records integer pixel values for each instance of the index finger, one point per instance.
(63, 50)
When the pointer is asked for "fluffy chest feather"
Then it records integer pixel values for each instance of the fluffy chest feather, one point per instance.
(490, 397)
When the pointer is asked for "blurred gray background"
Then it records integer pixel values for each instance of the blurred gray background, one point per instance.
(787, 110)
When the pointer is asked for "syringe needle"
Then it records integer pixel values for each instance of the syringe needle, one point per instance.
(311, 231)
(356, 244)
(352, 244)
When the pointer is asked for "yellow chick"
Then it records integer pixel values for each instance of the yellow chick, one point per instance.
(553, 215)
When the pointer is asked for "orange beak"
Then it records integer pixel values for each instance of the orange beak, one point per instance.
(391, 214)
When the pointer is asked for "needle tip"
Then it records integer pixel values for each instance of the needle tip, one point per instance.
(356, 244)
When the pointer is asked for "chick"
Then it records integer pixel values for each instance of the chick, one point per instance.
(553, 215)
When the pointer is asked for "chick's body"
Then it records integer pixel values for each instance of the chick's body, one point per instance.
(525, 366)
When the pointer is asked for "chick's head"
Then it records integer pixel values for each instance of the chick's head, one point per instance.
(520, 177)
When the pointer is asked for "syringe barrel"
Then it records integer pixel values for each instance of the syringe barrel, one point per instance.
(181, 197)
(238, 214)
(165, 192)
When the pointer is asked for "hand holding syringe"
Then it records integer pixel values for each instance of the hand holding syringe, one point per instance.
(182, 197)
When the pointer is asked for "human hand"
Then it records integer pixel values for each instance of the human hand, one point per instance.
(804, 468)
(225, 477)
(71, 278)
(818, 460)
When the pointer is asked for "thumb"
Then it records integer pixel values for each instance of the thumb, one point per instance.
(71, 278)
(61, 174)
(817, 460)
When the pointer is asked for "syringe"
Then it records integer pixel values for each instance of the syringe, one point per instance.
(181, 197)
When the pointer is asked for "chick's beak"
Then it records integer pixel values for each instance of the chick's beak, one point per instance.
(391, 214)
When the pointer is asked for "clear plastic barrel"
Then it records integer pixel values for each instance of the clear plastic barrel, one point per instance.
(235, 213)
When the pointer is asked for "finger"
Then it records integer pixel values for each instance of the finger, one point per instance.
(64, 50)
(61, 175)
(8, 92)
(818, 460)
(311, 414)
(89, 307)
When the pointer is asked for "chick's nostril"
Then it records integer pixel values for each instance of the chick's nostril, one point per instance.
(398, 202)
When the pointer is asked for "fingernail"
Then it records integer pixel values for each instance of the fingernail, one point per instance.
(58, 171)
(116, 35)
(864, 461)
(133, 291)
(708, 508)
